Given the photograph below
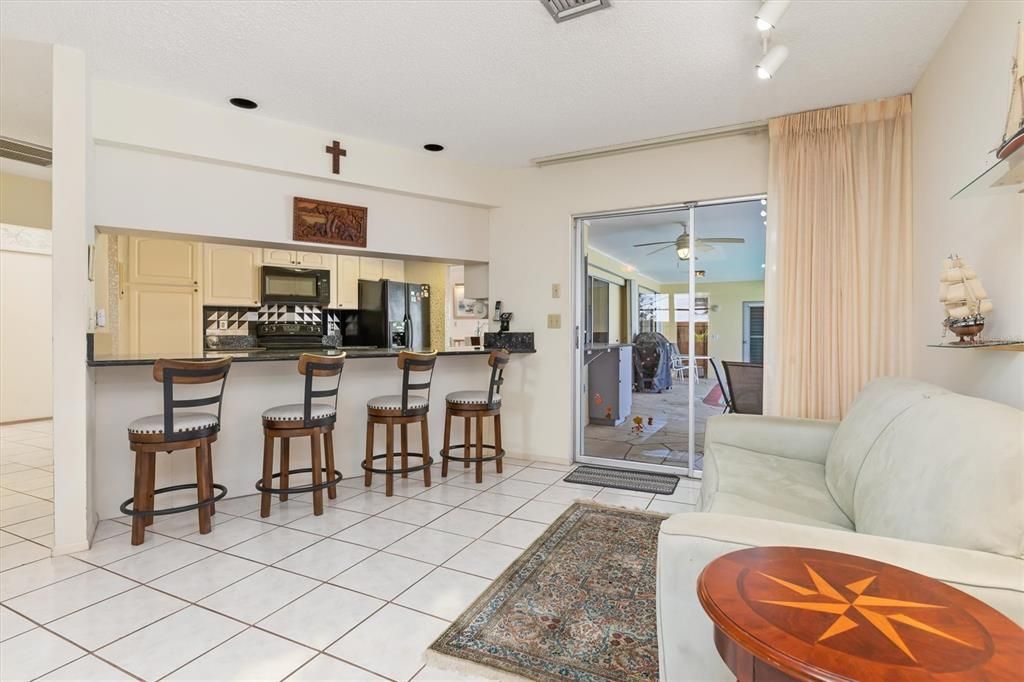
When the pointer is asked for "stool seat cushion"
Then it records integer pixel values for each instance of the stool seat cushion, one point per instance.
(394, 402)
(183, 421)
(285, 413)
(471, 398)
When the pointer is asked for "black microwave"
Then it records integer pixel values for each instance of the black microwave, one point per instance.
(295, 286)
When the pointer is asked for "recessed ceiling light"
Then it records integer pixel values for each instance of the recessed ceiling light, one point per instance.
(243, 103)
(432, 147)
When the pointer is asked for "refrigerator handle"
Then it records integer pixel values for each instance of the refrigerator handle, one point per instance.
(408, 333)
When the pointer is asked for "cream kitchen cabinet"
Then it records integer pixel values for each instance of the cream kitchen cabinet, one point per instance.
(308, 259)
(301, 259)
(156, 260)
(231, 275)
(371, 268)
(278, 257)
(346, 288)
(164, 320)
(393, 269)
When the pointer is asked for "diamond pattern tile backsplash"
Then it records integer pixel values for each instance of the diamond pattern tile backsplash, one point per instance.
(243, 321)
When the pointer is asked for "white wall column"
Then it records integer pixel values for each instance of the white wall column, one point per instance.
(72, 233)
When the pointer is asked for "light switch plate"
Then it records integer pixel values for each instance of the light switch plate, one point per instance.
(222, 324)
(554, 321)
(556, 291)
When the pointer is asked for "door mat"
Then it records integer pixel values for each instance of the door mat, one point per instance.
(624, 479)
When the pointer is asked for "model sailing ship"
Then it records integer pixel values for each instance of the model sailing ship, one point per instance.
(964, 299)
(1013, 136)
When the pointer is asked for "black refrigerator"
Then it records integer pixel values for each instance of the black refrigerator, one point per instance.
(394, 315)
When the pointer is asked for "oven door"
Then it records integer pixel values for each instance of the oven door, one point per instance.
(295, 286)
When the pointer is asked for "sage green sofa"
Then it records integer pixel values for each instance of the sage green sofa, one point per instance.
(915, 475)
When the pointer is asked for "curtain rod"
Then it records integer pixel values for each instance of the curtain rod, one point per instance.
(653, 143)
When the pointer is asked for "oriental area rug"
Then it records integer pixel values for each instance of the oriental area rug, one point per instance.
(579, 604)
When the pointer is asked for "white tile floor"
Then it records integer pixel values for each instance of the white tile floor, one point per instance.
(26, 492)
(357, 594)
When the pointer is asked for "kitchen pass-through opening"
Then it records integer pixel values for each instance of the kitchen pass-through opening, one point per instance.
(669, 305)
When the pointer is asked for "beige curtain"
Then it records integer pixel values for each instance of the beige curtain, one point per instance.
(839, 246)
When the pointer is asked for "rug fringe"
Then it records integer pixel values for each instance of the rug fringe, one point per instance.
(471, 669)
(590, 503)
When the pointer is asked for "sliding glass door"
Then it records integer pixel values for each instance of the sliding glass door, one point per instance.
(663, 294)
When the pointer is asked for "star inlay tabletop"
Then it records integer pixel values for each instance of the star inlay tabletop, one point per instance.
(814, 614)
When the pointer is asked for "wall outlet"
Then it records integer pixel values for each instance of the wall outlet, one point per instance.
(556, 291)
(554, 321)
(101, 318)
(222, 324)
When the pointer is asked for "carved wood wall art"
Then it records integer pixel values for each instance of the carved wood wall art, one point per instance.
(325, 222)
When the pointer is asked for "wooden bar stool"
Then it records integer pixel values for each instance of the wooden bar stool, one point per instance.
(474, 406)
(401, 410)
(302, 420)
(172, 431)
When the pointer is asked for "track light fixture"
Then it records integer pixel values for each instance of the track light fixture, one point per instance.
(771, 61)
(771, 11)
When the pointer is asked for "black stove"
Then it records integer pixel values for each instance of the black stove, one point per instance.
(290, 336)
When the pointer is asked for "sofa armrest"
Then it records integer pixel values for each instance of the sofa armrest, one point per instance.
(806, 439)
(688, 542)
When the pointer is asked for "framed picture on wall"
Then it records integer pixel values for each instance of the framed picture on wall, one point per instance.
(466, 308)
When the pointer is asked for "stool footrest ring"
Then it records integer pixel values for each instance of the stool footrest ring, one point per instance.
(302, 488)
(127, 507)
(471, 458)
(427, 461)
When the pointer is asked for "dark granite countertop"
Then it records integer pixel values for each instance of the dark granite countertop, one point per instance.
(242, 355)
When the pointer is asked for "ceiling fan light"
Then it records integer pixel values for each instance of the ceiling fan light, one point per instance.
(683, 252)
(771, 11)
(771, 61)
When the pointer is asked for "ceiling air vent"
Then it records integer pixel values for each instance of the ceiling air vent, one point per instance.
(562, 10)
(25, 151)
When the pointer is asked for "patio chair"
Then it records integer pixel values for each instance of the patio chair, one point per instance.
(746, 386)
(722, 386)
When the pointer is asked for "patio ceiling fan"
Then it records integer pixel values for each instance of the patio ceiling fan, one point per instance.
(682, 244)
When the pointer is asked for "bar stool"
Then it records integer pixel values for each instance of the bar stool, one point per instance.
(168, 432)
(401, 410)
(301, 420)
(474, 406)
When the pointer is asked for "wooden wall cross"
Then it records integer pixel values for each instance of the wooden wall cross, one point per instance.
(336, 152)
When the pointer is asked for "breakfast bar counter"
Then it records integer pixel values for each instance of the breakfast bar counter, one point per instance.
(259, 379)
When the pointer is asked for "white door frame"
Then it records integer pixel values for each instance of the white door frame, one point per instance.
(578, 386)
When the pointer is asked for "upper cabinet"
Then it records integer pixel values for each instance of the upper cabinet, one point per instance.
(346, 290)
(163, 320)
(371, 268)
(308, 259)
(231, 275)
(278, 257)
(155, 260)
(302, 259)
(476, 281)
(392, 269)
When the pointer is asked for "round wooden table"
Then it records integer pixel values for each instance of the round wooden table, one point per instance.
(784, 613)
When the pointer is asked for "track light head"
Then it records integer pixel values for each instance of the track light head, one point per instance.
(771, 61)
(771, 11)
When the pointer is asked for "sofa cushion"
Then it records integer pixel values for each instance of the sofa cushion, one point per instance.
(770, 487)
(948, 471)
(875, 407)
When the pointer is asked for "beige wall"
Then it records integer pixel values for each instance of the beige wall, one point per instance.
(24, 201)
(960, 108)
(26, 380)
(725, 325)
